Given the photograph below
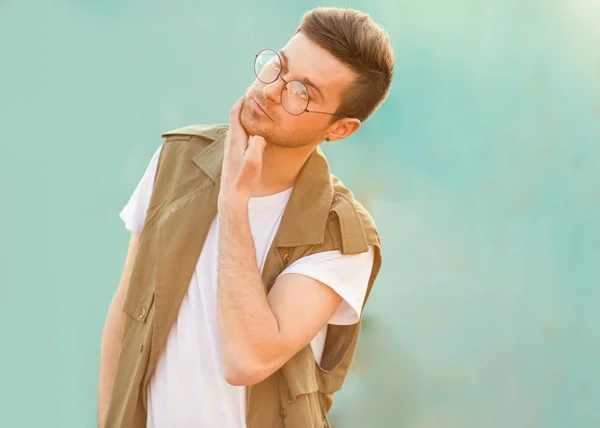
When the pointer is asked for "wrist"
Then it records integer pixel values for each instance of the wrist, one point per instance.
(233, 202)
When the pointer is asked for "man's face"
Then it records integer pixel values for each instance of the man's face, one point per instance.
(302, 60)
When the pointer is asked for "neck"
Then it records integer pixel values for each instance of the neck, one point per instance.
(280, 168)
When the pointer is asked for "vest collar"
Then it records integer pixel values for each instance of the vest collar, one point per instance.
(210, 159)
(305, 217)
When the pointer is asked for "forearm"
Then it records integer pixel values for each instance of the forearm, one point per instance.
(247, 326)
(109, 353)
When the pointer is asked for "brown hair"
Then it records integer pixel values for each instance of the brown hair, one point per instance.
(363, 46)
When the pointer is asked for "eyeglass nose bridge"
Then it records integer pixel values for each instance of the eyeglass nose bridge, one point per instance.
(281, 90)
(276, 87)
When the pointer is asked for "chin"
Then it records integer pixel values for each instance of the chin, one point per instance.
(253, 124)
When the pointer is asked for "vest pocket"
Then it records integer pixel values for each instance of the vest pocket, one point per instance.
(300, 394)
(304, 412)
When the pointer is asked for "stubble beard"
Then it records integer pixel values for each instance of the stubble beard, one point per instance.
(255, 124)
(249, 120)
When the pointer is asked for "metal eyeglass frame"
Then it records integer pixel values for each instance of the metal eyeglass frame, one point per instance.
(306, 110)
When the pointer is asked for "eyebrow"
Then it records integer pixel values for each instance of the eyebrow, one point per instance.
(305, 80)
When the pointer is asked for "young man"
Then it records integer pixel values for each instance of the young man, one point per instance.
(249, 263)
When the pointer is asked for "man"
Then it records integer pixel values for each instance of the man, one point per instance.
(249, 264)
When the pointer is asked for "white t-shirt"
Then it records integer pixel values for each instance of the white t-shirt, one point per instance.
(188, 388)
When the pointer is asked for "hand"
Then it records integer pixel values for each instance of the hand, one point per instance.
(242, 160)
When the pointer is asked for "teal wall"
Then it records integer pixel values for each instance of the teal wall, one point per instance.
(482, 171)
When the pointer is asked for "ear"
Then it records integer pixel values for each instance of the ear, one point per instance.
(343, 128)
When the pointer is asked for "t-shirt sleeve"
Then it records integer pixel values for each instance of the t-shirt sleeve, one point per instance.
(134, 212)
(348, 275)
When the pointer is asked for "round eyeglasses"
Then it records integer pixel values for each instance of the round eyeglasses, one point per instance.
(294, 94)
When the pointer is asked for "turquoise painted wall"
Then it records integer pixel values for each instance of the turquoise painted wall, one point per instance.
(482, 171)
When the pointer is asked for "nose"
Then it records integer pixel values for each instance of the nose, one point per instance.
(272, 90)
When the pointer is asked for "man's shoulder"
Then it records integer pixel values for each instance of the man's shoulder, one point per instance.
(193, 140)
(353, 216)
(346, 203)
(211, 132)
(199, 143)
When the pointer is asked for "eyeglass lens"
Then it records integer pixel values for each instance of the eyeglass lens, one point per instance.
(294, 94)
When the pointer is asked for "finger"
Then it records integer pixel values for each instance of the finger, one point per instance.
(252, 163)
(237, 138)
(254, 152)
(234, 151)
(234, 113)
(235, 125)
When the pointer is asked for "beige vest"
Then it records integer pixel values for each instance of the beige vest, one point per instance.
(321, 215)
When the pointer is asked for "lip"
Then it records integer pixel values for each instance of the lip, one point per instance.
(260, 108)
